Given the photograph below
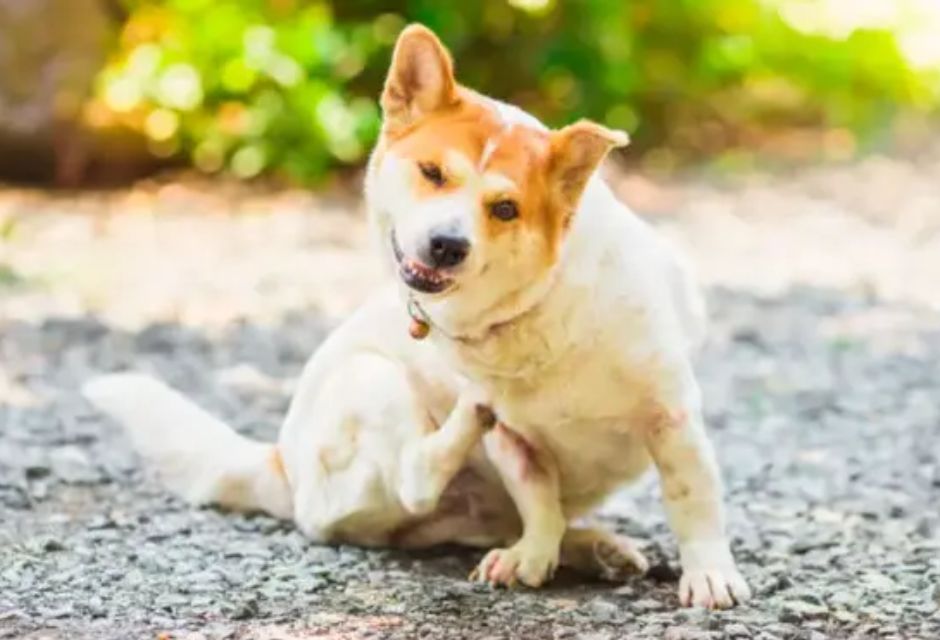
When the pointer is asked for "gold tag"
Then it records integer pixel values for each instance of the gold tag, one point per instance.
(419, 329)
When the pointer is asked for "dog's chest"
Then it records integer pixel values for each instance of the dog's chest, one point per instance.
(584, 423)
(595, 391)
(582, 411)
(598, 378)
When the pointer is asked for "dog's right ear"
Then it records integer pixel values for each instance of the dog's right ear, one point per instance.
(420, 80)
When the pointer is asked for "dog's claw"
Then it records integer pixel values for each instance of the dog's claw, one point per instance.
(510, 568)
(713, 589)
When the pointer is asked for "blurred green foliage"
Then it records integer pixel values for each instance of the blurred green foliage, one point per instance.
(290, 87)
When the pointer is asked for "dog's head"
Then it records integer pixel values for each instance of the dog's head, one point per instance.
(472, 197)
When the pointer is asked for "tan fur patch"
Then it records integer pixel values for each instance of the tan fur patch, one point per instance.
(233, 492)
(661, 421)
(276, 462)
(676, 490)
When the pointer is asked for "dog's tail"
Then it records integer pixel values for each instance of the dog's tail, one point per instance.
(197, 456)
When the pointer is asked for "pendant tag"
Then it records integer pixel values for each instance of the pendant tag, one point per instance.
(419, 329)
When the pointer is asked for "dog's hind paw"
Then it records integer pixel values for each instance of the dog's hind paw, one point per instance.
(618, 559)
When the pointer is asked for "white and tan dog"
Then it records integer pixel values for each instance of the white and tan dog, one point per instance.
(546, 301)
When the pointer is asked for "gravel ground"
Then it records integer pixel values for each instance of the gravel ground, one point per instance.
(822, 383)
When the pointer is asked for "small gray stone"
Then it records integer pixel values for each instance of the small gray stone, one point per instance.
(737, 630)
(72, 465)
(52, 545)
(604, 610)
(694, 615)
(647, 604)
(806, 595)
(246, 610)
(879, 582)
(786, 631)
(37, 471)
(798, 610)
(685, 633)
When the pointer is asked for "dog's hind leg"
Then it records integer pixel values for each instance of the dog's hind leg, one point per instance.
(597, 552)
(364, 455)
(340, 443)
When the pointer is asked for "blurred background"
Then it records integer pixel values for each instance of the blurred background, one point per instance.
(96, 91)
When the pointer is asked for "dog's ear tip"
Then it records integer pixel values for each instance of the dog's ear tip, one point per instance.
(415, 27)
(615, 137)
(416, 31)
(418, 42)
(619, 138)
(588, 130)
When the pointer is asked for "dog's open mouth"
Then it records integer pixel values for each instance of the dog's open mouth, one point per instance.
(417, 275)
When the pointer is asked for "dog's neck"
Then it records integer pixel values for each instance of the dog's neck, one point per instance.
(509, 310)
(516, 337)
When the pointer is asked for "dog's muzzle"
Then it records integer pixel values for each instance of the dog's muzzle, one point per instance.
(416, 275)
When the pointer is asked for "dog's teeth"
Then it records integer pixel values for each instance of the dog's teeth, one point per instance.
(418, 271)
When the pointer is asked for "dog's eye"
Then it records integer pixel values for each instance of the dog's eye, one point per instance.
(505, 210)
(432, 172)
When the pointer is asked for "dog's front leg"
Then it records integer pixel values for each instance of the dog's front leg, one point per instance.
(531, 478)
(691, 487)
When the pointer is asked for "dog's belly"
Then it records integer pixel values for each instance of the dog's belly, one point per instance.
(475, 510)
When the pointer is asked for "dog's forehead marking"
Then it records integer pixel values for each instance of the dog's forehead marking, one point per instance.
(495, 182)
(459, 164)
(491, 145)
(509, 117)
(462, 168)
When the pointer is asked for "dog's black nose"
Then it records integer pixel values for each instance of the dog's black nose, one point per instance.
(446, 251)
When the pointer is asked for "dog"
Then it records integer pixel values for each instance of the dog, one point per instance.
(532, 355)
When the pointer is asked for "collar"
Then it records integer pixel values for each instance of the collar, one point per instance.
(423, 324)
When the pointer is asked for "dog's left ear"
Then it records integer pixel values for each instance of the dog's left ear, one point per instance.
(420, 80)
(577, 150)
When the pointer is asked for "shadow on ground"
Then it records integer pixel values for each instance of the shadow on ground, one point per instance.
(824, 408)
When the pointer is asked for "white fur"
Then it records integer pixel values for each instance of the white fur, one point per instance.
(588, 365)
(198, 457)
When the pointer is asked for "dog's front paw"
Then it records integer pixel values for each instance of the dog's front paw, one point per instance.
(710, 578)
(713, 588)
(523, 562)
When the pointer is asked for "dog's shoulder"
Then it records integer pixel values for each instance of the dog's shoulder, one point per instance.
(632, 267)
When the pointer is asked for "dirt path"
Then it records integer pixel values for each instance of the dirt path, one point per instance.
(822, 384)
